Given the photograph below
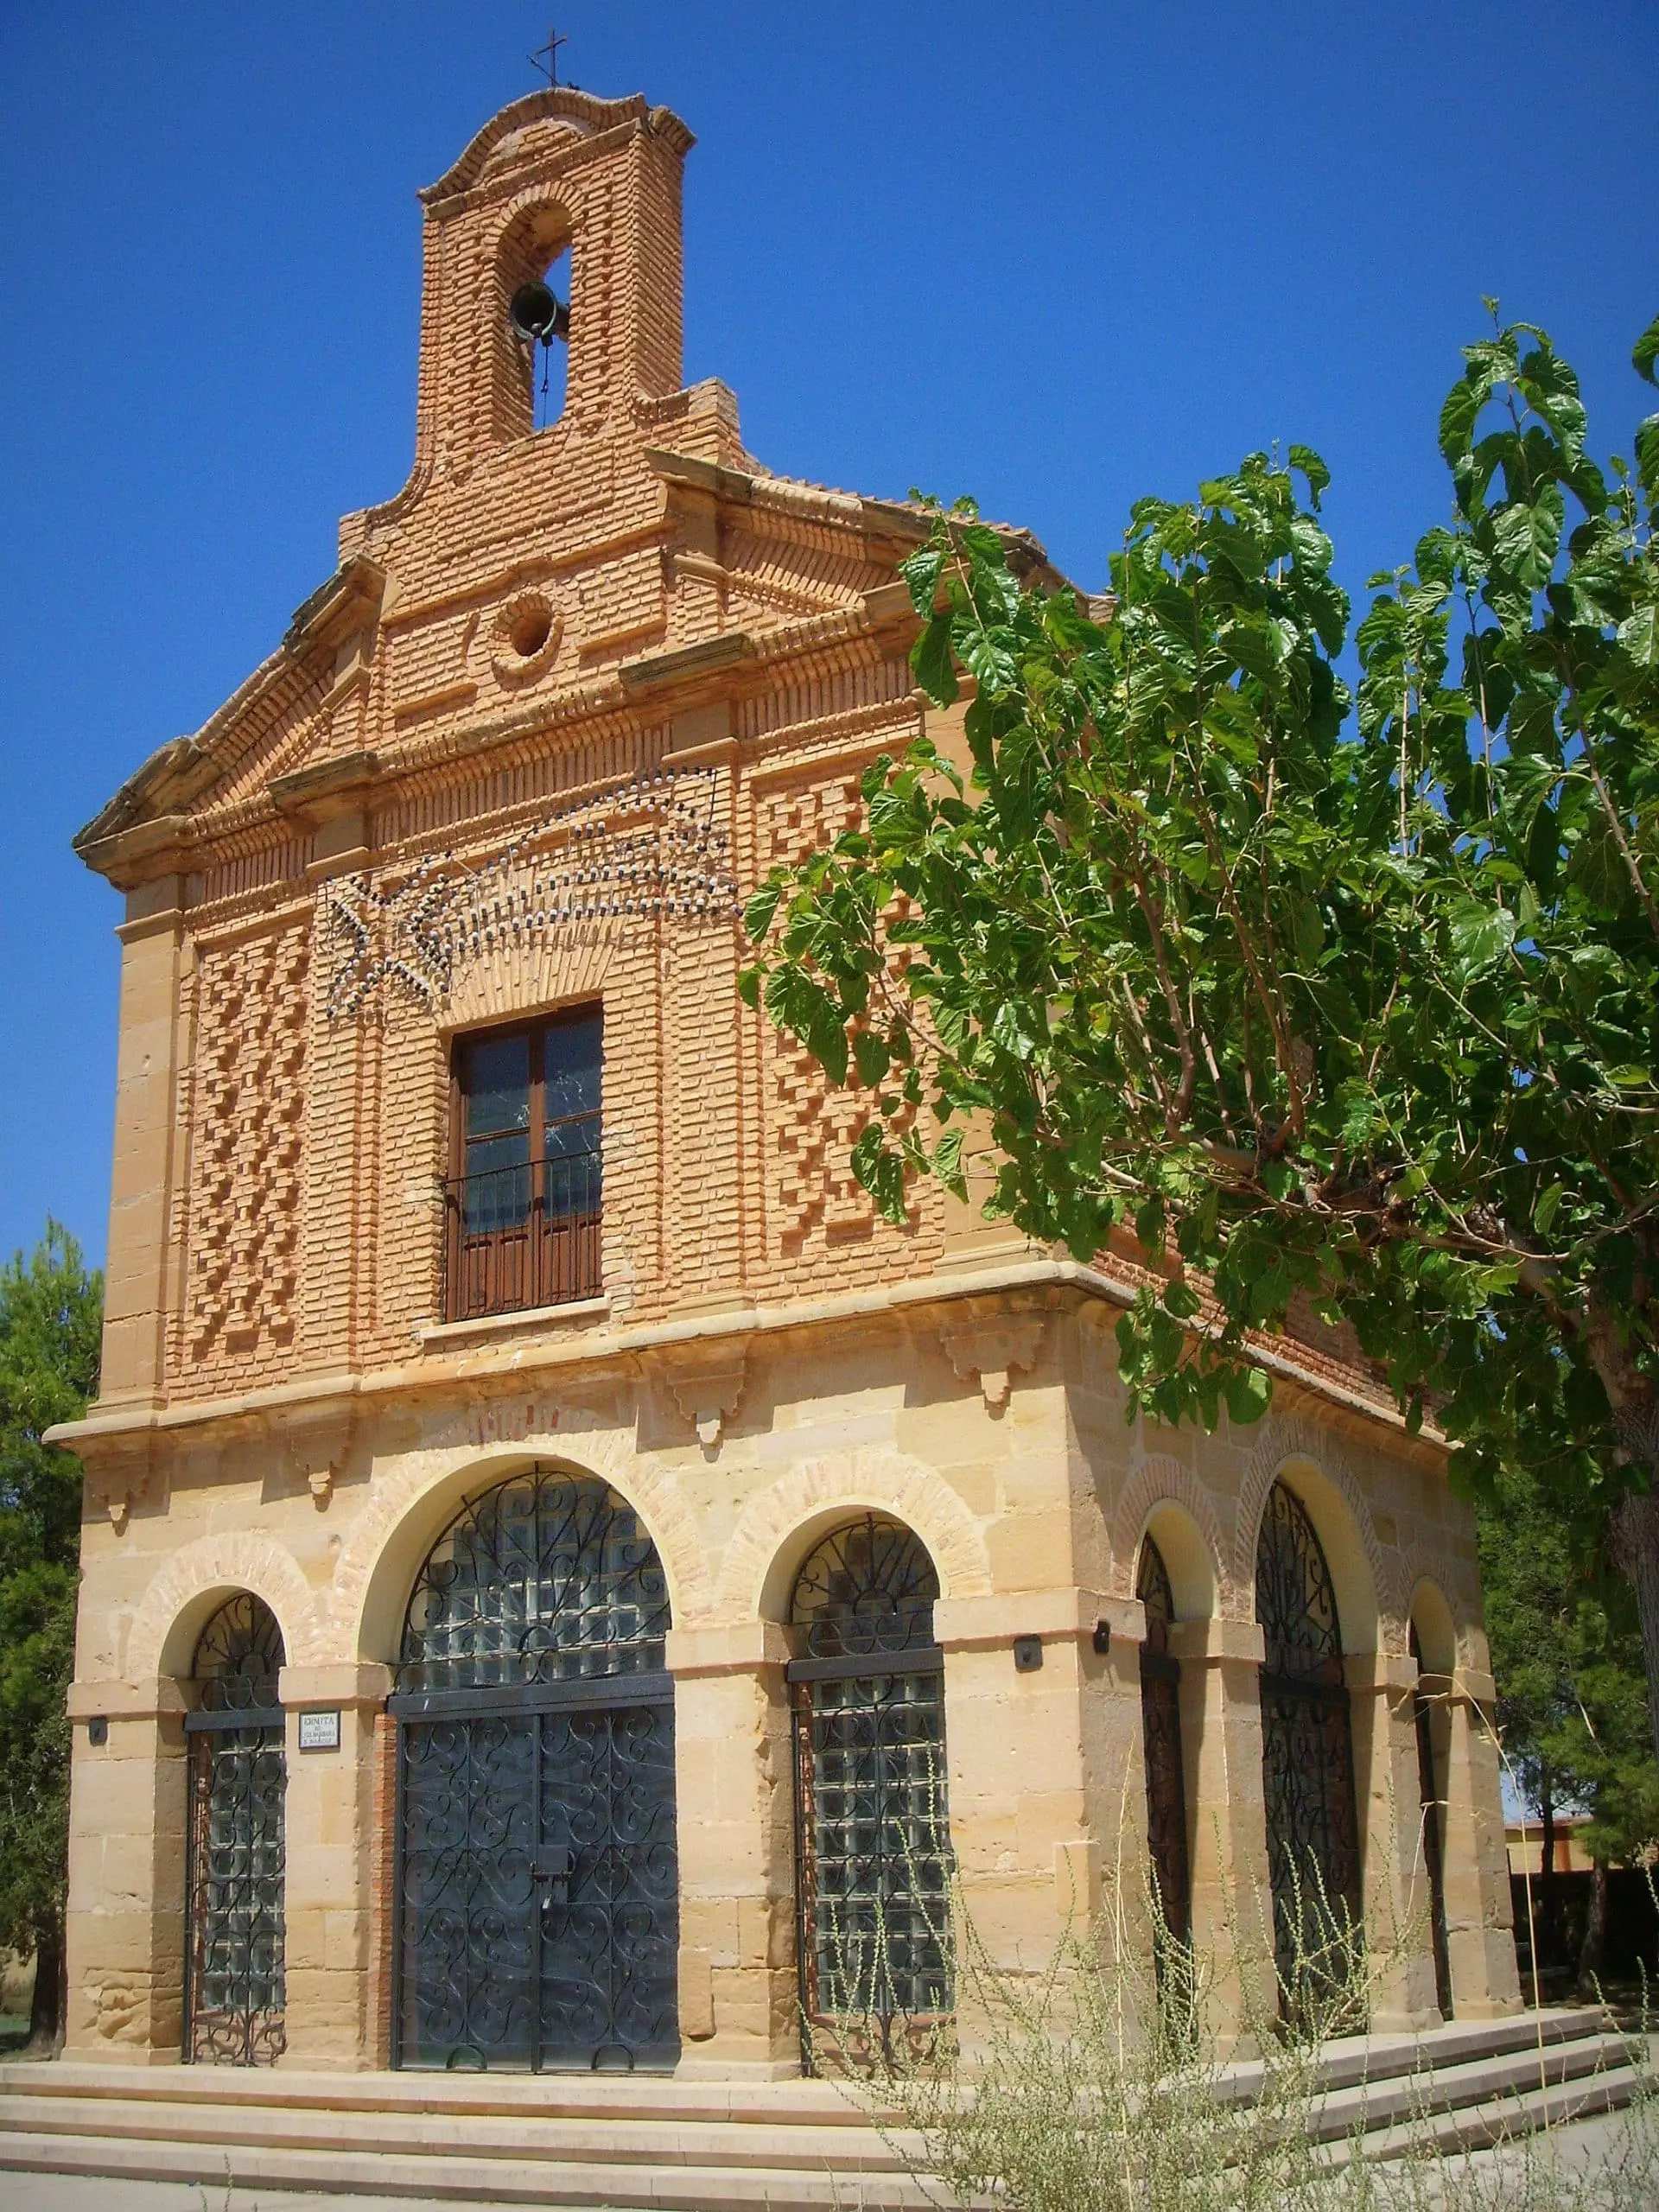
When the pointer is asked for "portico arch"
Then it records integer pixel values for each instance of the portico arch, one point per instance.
(779, 1526)
(537, 1875)
(401, 1522)
(198, 1578)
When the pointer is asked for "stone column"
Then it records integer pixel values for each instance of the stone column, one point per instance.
(1394, 1874)
(1480, 1913)
(1226, 1816)
(328, 1829)
(1047, 1790)
(738, 2010)
(125, 1932)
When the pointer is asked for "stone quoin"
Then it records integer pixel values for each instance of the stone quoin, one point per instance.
(504, 1365)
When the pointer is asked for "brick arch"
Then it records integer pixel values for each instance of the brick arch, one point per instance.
(1419, 1565)
(1157, 1481)
(407, 1514)
(803, 1501)
(1282, 1444)
(519, 981)
(581, 114)
(218, 1565)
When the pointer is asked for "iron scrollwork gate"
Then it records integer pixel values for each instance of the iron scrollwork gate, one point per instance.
(538, 1898)
(1307, 1760)
(1433, 1857)
(234, 1843)
(872, 1855)
(1160, 1728)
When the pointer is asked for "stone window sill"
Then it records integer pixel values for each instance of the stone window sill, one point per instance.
(433, 1335)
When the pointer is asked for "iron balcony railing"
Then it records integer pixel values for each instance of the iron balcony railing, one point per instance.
(518, 1238)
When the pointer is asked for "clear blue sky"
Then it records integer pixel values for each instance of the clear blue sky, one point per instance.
(1058, 257)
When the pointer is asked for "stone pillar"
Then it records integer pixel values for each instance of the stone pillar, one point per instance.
(1479, 1912)
(1226, 1816)
(1394, 1874)
(125, 1932)
(1047, 1790)
(328, 1829)
(740, 2016)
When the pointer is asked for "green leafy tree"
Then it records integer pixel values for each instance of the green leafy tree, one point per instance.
(1572, 1696)
(51, 1314)
(1353, 1009)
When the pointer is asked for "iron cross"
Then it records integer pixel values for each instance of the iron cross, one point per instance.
(546, 58)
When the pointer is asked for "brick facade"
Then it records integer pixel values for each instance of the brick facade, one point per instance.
(617, 644)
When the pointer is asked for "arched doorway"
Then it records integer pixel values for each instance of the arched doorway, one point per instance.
(1432, 1814)
(872, 1824)
(233, 1841)
(537, 1895)
(1307, 1761)
(1160, 1728)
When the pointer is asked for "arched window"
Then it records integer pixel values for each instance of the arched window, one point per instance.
(1307, 1762)
(233, 1841)
(1160, 1723)
(538, 1893)
(1433, 1816)
(872, 1825)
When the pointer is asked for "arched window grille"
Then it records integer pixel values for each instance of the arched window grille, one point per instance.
(237, 1776)
(537, 1903)
(542, 1580)
(1432, 1818)
(872, 1824)
(1307, 1761)
(1160, 1723)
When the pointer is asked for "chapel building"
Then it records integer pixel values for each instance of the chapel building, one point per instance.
(563, 1582)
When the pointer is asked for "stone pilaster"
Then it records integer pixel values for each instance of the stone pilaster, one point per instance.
(328, 1829)
(1394, 1872)
(126, 1931)
(1047, 1787)
(136, 1278)
(739, 2009)
(1480, 1913)
(1227, 1828)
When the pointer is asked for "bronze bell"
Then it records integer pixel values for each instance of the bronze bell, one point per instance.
(535, 311)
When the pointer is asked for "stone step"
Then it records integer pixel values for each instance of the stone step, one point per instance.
(580, 2186)
(1479, 2127)
(657, 2144)
(1376, 2107)
(634, 2096)
(619, 2140)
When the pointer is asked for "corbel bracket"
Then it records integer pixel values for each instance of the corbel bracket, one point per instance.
(316, 1445)
(991, 1346)
(708, 1382)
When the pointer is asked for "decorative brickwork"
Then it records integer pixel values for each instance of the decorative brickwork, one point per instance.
(247, 1146)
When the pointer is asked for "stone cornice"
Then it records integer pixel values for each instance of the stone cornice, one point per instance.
(630, 1349)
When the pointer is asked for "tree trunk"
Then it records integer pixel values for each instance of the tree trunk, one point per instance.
(1594, 1949)
(46, 2010)
(1634, 1524)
